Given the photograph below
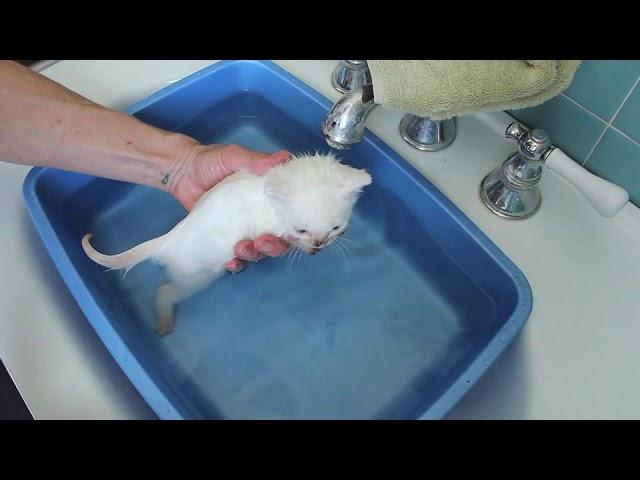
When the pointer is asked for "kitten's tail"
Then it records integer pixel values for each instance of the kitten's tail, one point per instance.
(127, 259)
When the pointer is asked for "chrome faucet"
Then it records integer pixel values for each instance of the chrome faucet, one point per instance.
(511, 190)
(344, 125)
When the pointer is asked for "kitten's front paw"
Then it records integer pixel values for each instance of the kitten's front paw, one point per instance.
(164, 326)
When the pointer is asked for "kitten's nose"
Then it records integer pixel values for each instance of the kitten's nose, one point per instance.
(318, 243)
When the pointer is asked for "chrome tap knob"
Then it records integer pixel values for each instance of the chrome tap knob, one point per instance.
(524, 167)
(511, 190)
(534, 145)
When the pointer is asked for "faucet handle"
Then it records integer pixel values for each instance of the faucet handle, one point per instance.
(535, 148)
(535, 145)
(515, 131)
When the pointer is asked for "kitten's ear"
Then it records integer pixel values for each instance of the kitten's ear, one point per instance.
(276, 187)
(355, 181)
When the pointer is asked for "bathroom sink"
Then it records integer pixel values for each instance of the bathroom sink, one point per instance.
(398, 324)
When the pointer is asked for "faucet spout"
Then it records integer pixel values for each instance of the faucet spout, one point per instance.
(344, 125)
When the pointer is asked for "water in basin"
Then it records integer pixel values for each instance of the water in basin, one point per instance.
(375, 329)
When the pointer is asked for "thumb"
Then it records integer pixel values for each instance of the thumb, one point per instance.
(262, 164)
(235, 157)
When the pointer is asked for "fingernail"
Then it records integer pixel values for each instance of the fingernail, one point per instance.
(280, 153)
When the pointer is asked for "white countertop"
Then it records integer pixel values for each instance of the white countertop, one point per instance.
(576, 358)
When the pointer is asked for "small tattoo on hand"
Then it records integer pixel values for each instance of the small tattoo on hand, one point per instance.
(165, 180)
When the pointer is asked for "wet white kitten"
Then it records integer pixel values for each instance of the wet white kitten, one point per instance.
(306, 201)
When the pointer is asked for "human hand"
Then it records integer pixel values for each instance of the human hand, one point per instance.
(253, 251)
(207, 165)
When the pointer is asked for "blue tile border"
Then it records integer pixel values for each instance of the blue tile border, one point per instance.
(601, 86)
(628, 118)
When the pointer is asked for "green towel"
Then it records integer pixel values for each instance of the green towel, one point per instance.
(445, 88)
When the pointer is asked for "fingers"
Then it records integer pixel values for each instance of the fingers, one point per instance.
(245, 250)
(270, 245)
(262, 165)
(264, 245)
(248, 251)
(235, 265)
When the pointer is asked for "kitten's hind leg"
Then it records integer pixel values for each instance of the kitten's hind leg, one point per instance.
(173, 292)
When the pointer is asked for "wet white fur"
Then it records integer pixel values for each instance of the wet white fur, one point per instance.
(315, 193)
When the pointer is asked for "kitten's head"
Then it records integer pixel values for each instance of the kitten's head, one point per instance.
(313, 196)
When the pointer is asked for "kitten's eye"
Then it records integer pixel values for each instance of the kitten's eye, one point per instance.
(301, 230)
(336, 227)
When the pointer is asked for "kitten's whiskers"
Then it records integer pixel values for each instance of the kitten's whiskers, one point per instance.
(353, 242)
(291, 253)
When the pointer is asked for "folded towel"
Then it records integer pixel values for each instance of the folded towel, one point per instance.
(445, 88)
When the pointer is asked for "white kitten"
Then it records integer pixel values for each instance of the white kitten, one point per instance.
(307, 201)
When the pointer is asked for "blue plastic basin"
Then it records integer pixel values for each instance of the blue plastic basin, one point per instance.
(399, 325)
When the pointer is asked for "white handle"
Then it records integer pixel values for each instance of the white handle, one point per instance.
(606, 197)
